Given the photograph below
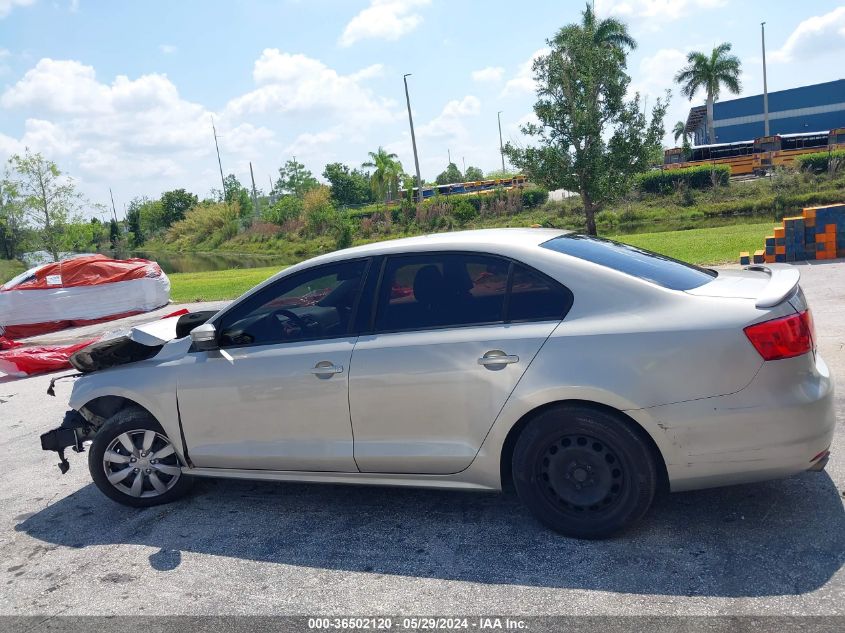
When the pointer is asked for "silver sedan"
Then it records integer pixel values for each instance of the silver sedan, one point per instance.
(584, 373)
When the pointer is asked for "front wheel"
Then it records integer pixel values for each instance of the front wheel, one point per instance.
(133, 462)
(583, 472)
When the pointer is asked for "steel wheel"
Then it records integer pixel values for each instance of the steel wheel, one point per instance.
(141, 463)
(581, 473)
(584, 471)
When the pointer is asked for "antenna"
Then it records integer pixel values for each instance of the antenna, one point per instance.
(219, 164)
(112, 205)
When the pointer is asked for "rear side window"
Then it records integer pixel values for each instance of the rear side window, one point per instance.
(443, 290)
(658, 269)
(535, 297)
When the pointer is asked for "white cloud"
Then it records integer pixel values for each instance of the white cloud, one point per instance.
(167, 49)
(298, 84)
(491, 74)
(370, 72)
(523, 81)
(6, 6)
(449, 123)
(657, 72)
(140, 128)
(813, 37)
(383, 19)
(653, 12)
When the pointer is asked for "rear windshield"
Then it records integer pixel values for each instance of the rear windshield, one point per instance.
(659, 269)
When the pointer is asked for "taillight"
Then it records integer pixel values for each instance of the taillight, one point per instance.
(785, 337)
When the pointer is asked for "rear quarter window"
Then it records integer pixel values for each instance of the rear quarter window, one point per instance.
(657, 269)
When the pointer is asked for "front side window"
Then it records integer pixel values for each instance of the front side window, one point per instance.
(312, 304)
(441, 290)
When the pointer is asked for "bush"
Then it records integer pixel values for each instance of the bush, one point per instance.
(463, 211)
(666, 181)
(320, 214)
(205, 226)
(820, 161)
(343, 233)
(287, 208)
(534, 197)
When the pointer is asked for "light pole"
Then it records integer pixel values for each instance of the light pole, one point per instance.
(765, 85)
(413, 140)
(501, 147)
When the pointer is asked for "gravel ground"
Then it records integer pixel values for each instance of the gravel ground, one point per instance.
(258, 548)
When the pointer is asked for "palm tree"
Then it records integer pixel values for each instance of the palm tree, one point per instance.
(386, 173)
(710, 73)
(609, 33)
(680, 130)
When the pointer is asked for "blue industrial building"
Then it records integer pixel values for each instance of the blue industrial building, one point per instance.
(816, 108)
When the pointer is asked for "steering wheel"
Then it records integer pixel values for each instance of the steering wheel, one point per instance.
(292, 316)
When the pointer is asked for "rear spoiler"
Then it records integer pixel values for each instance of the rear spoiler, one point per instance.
(783, 279)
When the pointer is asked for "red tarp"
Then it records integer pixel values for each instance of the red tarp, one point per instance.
(25, 361)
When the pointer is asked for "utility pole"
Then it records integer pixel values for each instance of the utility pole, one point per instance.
(449, 154)
(765, 84)
(254, 193)
(112, 205)
(219, 164)
(464, 161)
(413, 140)
(501, 146)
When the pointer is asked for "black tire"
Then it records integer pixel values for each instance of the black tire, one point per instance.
(135, 422)
(583, 472)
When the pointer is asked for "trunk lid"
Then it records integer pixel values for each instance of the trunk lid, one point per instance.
(767, 284)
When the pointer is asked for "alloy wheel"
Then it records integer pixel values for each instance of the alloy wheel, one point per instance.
(141, 463)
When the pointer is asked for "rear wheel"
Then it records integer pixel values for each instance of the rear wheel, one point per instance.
(133, 462)
(584, 472)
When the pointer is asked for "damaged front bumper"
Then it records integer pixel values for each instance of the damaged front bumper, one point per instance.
(74, 431)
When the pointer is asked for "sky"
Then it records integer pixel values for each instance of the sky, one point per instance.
(121, 95)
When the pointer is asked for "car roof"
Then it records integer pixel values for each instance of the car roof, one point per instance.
(479, 239)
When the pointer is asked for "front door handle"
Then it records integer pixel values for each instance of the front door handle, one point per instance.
(326, 368)
(497, 358)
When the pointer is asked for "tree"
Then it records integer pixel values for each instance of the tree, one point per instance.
(133, 222)
(349, 186)
(235, 193)
(710, 73)
(387, 172)
(294, 179)
(47, 197)
(175, 204)
(590, 139)
(114, 234)
(680, 131)
(473, 174)
(452, 174)
(12, 220)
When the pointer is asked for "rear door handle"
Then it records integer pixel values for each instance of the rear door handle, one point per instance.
(326, 368)
(497, 357)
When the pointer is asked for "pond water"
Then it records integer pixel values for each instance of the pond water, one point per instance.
(202, 262)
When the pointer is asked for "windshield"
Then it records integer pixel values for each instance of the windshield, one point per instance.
(658, 269)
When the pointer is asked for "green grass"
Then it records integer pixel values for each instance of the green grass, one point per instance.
(699, 246)
(10, 268)
(717, 245)
(217, 284)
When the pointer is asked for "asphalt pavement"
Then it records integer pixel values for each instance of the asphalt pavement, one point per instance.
(232, 547)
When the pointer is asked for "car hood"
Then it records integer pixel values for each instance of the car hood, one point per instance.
(138, 343)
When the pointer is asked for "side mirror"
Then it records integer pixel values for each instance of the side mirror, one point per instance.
(204, 337)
